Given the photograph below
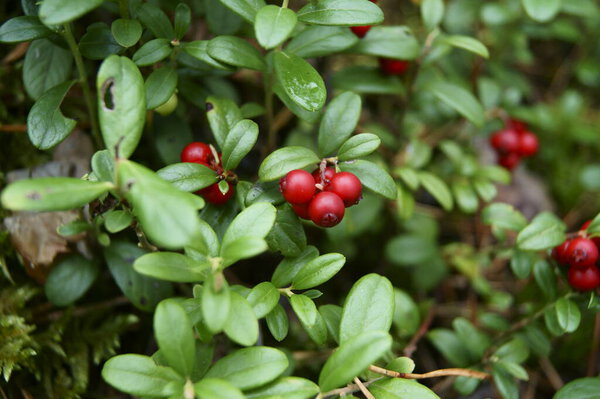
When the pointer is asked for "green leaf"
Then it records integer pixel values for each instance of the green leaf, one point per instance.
(467, 43)
(176, 344)
(250, 367)
(542, 10)
(235, 51)
(156, 21)
(521, 263)
(243, 247)
(437, 188)
(241, 326)
(171, 266)
(514, 369)
(98, 42)
(70, 279)
(316, 41)
(160, 86)
(353, 357)
(318, 271)
(486, 190)
(396, 42)
(545, 278)
(216, 304)
(199, 50)
(410, 249)
(73, 228)
(367, 80)
(144, 292)
(151, 52)
(474, 340)
(247, 9)
(183, 19)
(305, 309)
(214, 388)
(121, 105)
(286, 387)
(503, 216)
(358, 146)
(405, 203)
(56, 12)
(285, 159)
(263, 298)
(23, 29)
(222, 114)
(207, 242)
(46, 125)
(369, 306)
(287, 234)
(551, 321)
(277, 322)
(341, 12)
(127, 32)
(274, 25)
(332, 315)
(373, 177)
(460, 100)
(168, 216)
(398, 388)
(117, 220)
(568, 314)
(465, 196)
(239, 142)
(582, 388)
(339, 121)
(406, 314)
(139, 375)
(188, 176)
(432, 13)
(447, 342)
(545, 231)
(300, 81)
(506, 384)
(256, 220)
(289, 267)
(51, 193)
(46, 65)
(515, 350)
(409, 176)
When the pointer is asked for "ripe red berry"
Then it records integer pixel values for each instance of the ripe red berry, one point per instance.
(347, 186)
(582, 252)
(561, 253)
(585, 279)
(214, 195)
(528, 144)
(327, 174)
(326, 209)
(509, 161)
(198, 153)
(505, 141)
(301, 210)
(517, 125)
(360, 31)
(297, 187)
(391, 66)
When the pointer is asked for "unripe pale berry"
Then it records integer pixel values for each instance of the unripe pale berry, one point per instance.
(347, 186)
(326, 209)
(586, 279)
(582, 252)
(197, 152)
(528, 144)
(297, 187)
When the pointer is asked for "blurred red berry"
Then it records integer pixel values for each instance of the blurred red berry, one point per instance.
(528, 144)
(582, 252)
(326, 209)
(391, 66)
(586, 279)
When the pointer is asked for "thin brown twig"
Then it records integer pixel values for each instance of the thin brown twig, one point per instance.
(13, 128)
(593, 359)
(423, 328)
(346, 390)
(432, 374)
(553, 376)
(363, 388)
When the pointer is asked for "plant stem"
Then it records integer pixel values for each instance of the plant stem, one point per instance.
(87, 94)
(285, 4)
(272, 132)
(124, 9)
(432, 374)
(363, 388)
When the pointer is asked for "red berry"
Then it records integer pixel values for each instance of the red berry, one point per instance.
(583, 231)
(561, 253)
(214, 195)
(347, 186)
(505, 141)
(360, 31)
(528, 144)
(301, 210)
(585, 279)
(326, 209)
(509, 161)
(198, 153)
(517, 125)
(391, 66)
(297, 187)
(327, 175)
(582, 252)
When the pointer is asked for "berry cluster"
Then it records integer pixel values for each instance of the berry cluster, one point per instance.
(388, 66)
(321, 196)
(513, 143)
(204, 154)
(580, 254)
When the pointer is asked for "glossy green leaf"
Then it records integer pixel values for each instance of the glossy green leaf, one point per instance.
(515, 350)
(70, 279)
(545, 231)
(214, 388)
(235, 51)
(316, 41)
(466, 198)
(277, 322)
(305, 309)
(127, 32)
(514, 369)
(318, 271)
(216, 304)
(256, 220)
(286, 387)
(369, 306)
(241, 326)
(373, 177)
(406, 314)
(151, 52)
(171, 266)
(396, 42)
(581, 388)
(263, 298)
(222, 114)
(221, 20)
(274, 25)
(339, 121)
(367, 80)
(287, 235)
(46, 125)
(358, 146)
(243, 247)
(183, 19)
(51, 193)
(542, 10)
(460, 100)
(568, 314)
(285, 159)
(506, 384)
(121, 105)
(22, 29)
(353, 357)
(503, 216)
(300, 81)
(468, 43)
(521, 263)
(46, 65)
(239, 142)
(98, 42)
(247, 9)
(332, 315)
(188, 176)
(545, 278)
(432, 13)
(250, 367)
(447, 342)
(341, 12)
(176, 344)
(437, 188)
(56, 12)
(399, 388)
(199, 50)
(160, 86)
(117, 220)
(156, 21)
(289, 267)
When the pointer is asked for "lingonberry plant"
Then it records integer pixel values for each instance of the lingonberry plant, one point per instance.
(300, 199)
